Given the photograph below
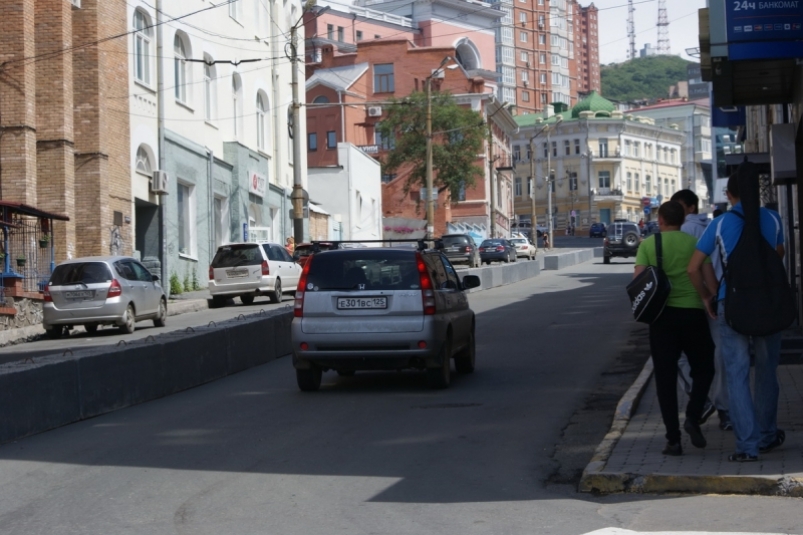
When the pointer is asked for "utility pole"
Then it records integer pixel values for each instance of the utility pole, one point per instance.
(160, 127)
(429, 200)
(549, 186)
(298, 194)
(491, 178)
(531, 186)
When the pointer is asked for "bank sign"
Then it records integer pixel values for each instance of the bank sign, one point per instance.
(764, 30)
(257, 184)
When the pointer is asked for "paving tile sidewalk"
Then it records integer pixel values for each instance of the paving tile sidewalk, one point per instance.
(630, 459)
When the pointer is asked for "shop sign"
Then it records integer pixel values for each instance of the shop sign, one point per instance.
(257, 184)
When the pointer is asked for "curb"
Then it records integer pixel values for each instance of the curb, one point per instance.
(177, 307)
(595, 479)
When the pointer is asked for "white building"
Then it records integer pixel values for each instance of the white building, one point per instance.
(225, 99)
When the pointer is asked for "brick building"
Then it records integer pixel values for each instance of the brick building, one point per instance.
(346, 92)
(64, 144)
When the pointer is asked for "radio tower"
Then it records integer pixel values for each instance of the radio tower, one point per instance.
(631, 29)
(663, 29)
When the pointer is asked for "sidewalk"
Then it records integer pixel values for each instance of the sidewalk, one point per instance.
(629, 459)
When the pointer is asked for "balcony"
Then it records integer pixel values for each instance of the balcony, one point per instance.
(608, 194)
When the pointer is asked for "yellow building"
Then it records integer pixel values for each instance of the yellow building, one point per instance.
(605, 165)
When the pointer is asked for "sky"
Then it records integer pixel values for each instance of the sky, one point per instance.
(613, 41)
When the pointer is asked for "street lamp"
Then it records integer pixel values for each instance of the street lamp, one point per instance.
(531, 185)
(430, 197)
(558, 120)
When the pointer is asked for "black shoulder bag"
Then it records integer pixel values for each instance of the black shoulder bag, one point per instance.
(649, 291)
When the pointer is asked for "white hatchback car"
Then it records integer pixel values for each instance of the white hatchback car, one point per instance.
(251, 269)
(523, 247)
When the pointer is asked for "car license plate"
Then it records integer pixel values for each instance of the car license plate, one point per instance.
(236, 273)
(357, 303)
(82, 294)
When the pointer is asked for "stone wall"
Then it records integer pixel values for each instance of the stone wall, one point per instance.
(28, 313)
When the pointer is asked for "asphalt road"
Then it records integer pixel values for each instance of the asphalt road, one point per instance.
(375, 453)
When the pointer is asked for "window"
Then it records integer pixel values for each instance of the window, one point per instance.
(542, 57)
(210, 95)
(542, 78)
(144, 164)
(383, 143)
(383, 78)
(377, 36)
(567, 147)
(629, 181)
(546, 150)
(541, 21)
(331, 139)
(461, 192)
(637, 182)
(359, 35)
(142, 47)
(555, 148)
(321, 99)
(603, 147)
(516, 153)
(330, 32)
(185, 200)
(517, 186)
(647, 185)
(262, 112)
(525, 96)
(628, 148)
(340, 34)
(523, 37)
(221, 221)
(542, 39)
(577, 146)
(637, 149)
(523, 17)
(525, 57)
(525, 76)
(234, 9)
(180, 69)
(312, 141)
(604, 179)
(237, 104)
(572, 181)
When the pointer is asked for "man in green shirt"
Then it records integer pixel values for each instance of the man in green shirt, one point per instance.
(681, 328)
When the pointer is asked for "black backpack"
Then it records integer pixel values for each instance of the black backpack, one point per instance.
(758, 299)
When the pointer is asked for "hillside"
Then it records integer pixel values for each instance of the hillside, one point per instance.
(642, 78)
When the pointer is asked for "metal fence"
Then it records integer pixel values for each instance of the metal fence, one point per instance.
(26, 254)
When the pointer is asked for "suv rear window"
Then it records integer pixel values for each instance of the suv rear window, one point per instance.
(246, 254)
(306, 250)
(455, 240)
(85, 272)
(390, 269)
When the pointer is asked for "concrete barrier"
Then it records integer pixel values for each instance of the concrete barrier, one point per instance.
(60, 389)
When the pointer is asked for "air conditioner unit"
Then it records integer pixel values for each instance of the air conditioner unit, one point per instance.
(159, 182)
(76, 3)
(374, 111)
(540, 25)
(528, 64)
(525, 83)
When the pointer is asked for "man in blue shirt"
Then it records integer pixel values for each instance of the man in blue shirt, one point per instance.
(754, 421)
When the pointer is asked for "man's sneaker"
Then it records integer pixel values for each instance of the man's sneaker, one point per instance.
(742, 458)
(675, 450)
(708, 410)
(725, 420)
(695, 434)
(780, 436)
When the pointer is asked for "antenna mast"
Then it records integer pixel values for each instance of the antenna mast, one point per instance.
(663, 29)
(631, 29)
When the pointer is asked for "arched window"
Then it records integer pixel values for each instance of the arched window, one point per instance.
(144, 163)
(467, 54)
(210, 93)
(142, 47)
(262, 112)
(237, 103)
(180, 69)
(320, 100)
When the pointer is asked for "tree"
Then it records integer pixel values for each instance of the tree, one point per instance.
(645, 78)
(457, 138)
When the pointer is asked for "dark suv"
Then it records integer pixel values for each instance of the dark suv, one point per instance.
(460, 248)
(622, 240)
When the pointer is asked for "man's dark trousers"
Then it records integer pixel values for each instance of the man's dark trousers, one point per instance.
(681, 330)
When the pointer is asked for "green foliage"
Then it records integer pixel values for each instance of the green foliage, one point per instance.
(458, 135)
(645, 78)
(175, 284)
(195, 285)
(187, 281)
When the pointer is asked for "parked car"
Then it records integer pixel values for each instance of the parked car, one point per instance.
(598, 230)
(382, 309)
(461, 248)
(497, 249)
(249, 270)
(650, 228)
(102, 290)
(623, 240)
(524, 247)
(303, 251)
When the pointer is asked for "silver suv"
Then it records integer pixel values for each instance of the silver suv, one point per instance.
(382, 309)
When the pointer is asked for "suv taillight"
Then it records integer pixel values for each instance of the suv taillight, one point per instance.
(115, 290)
(298, 304)
(211, 273)
(468, 249)
(427, 292)
(47, 296)
(265, 268)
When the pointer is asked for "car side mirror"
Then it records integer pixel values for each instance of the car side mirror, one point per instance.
(155, 277)
(470, 281)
